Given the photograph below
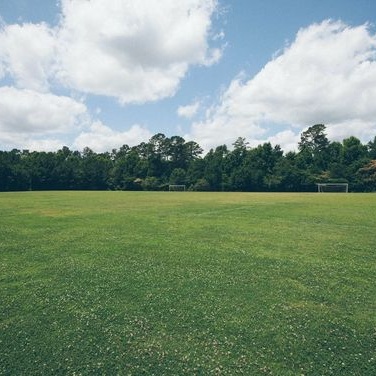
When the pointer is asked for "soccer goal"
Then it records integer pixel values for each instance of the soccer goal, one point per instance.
(333, 187)
(176, 188)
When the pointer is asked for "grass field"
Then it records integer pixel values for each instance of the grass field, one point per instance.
(135, 283)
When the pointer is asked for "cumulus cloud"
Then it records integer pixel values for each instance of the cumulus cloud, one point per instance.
(27, 54)
(40, 121)
(287, 139)
(44, 144)
(101, 138)
(23, 110)
(188, 111)
(26, 114)
(326, 75)
(23, 141)
(136, 51)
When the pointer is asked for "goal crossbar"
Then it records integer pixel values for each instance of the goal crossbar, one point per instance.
(176, 187)
(333, 187)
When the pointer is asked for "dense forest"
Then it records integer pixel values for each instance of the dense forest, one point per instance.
(171, 160)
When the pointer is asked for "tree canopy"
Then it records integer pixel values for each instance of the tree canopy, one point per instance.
(161, 161)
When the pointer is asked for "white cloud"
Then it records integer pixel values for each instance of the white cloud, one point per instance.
(26, 116)
(188, 111)
(27, 53)
(38, 113)
(45, 144)
(327, 75)
(101, 138)
(287, 139)
(134, 50)
(40, 121)
(360, 128)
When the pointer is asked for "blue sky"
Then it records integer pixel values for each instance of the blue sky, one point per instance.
(102, 74)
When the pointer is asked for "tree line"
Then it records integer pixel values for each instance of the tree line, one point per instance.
(162, 161)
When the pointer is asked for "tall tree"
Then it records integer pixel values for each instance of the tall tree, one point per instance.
(372, 148)
(314, 145)
(214, 173)
(367, 176)
(176, 152)
(157, 158)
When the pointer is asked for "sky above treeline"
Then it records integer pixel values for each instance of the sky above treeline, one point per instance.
(106, 73)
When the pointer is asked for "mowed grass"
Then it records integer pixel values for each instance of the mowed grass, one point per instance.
(136, 283)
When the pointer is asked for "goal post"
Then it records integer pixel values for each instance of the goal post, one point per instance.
(176, 187)
(333, 187)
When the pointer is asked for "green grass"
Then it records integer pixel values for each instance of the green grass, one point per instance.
(165, 283)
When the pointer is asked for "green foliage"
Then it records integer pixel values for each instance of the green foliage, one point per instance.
(372, 148)
(151, 184)
(367, 176)
(201, 185)
(314, 145)
(162, 161)
(178, 176)
(314, 139)
(184, 284)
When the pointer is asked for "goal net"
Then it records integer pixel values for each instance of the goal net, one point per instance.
(176, 187)
(333, 187)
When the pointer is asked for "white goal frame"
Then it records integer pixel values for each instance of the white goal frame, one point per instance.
(333, 187)
(177, 188)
